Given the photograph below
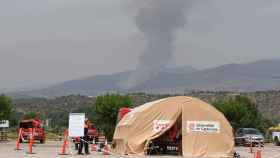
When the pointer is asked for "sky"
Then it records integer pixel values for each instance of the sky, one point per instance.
(43, 42)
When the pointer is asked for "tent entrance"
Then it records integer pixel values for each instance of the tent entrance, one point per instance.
(169, 143)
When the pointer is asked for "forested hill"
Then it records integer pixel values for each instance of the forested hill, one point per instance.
(57, 109)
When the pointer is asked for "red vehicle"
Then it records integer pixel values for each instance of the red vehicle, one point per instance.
(92, 133)
(38, 133)
(122, 112)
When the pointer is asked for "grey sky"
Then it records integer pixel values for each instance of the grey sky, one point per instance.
(48, 41)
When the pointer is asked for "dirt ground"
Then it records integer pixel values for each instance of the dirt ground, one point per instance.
(51, 150)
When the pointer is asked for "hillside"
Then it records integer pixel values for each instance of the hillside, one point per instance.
(57, 110)
(256, 76)
(99, 84)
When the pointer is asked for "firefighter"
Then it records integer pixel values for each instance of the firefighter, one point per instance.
(84, 140)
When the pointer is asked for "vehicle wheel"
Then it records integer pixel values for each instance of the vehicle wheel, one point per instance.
(243, 143)
(42, 141)
(276, 141)
(237, 143)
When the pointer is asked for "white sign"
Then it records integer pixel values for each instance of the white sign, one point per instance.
(76, 124)
(4, 123)
(203, 127)
(160, 125)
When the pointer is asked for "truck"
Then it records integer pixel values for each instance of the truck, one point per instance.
(38, 130)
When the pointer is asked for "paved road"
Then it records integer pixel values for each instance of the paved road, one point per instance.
(269, 151)
(48, 150)
(51, 150)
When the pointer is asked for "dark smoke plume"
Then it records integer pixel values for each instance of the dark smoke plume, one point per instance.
(158, 20)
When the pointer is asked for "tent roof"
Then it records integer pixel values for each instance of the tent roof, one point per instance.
(151, 120)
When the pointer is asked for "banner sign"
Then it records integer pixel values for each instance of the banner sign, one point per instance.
(203, 127)
(76, 124)
(160, 125)
(4, 124)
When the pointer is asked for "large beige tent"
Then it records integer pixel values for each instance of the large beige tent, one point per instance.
(205, 131)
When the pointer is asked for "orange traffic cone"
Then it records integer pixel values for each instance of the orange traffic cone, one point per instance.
(106, 150)
(258, 154)
(65, 144)
(19, 139)
(31, 141)
(93, 146)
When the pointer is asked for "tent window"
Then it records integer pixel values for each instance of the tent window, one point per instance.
(169, 143)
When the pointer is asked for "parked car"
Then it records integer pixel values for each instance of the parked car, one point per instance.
(248, 136)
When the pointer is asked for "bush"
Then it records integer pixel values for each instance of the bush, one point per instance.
(242, 113)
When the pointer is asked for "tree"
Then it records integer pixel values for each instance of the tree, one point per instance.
(15, 117)
(30, 115)
(242, 113)
(105, 111)
(5, 107)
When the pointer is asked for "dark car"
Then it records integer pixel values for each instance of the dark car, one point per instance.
(248, 136)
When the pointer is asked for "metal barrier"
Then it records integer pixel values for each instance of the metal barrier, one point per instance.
(3, 134)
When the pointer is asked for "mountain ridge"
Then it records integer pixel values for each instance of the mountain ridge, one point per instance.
(254, 76)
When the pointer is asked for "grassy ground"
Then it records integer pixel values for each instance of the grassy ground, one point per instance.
(12, 135)
(53, 136)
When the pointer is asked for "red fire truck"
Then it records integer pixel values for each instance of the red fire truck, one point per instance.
(38, 130)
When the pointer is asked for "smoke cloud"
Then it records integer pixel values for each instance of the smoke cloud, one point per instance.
(158, 20)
